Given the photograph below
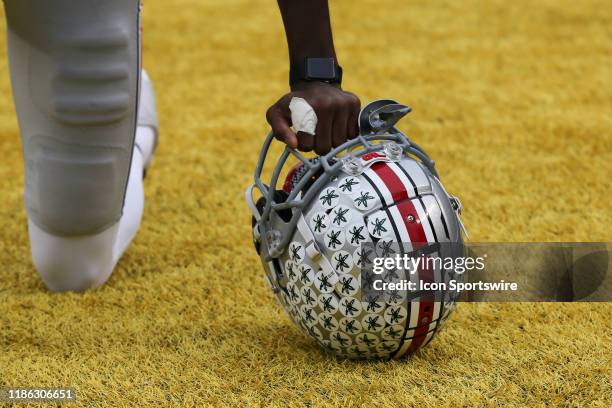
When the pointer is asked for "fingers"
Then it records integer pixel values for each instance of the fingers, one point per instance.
(280, 123)
(339, 133)
(345, 119)
(352, 123)
(337, 121)
(337, 116)
(306, 141)
(323, 140)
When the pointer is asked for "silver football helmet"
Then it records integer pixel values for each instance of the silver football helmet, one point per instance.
(375, 195)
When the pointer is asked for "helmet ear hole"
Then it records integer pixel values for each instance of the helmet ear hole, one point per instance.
(260, 204)
(280, 196)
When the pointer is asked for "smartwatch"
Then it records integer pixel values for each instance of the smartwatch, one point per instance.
(316, 69)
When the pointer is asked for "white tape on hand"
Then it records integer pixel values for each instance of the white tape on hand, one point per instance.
(303, 117)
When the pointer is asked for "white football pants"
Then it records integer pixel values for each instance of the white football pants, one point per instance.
(76, 79)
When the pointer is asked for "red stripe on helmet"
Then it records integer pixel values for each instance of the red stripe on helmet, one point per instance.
(420, 333)
(419, 240)
(414, 228)
(392, 181)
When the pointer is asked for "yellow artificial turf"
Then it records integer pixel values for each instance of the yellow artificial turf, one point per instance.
(512, 98)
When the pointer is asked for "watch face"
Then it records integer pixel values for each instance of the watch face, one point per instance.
(320, 68)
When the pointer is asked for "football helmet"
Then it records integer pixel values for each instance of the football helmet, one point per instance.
(377, 193)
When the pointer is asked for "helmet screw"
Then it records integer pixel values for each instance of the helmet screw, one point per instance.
(410, 218)
(352, 166)
(393, 151)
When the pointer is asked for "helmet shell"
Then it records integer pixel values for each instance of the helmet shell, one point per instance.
(392, 203)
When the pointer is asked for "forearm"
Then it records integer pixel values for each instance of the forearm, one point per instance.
(308, 29)
(311, 51)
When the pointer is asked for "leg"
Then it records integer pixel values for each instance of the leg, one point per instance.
(75, 74)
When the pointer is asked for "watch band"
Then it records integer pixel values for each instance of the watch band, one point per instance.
(316, 69)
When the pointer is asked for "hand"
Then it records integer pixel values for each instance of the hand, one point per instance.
(337, 112)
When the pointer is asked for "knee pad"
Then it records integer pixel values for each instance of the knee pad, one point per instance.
(75, 75)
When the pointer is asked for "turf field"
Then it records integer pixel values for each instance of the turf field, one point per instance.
(512, 99)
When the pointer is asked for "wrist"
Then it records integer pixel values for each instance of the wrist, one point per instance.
(315, 69)
(303, 85)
